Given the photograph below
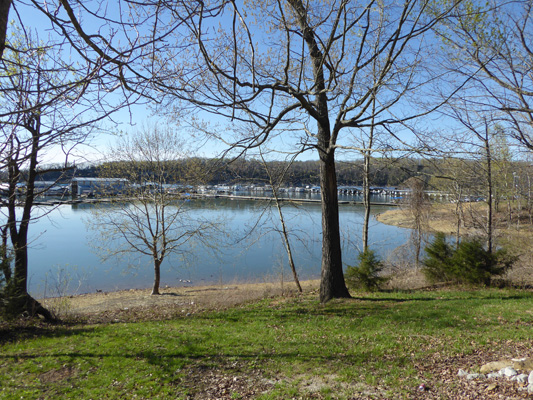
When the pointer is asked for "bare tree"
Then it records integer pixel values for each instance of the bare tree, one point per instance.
(418, 208)
(455, 179)
(275, 182)
(110, 49)
(305, 68)
(370, 143)
(155, 217)
(480, 130)
(43, 111)
(493, 44)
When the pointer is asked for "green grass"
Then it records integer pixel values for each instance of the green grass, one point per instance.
(386, 342)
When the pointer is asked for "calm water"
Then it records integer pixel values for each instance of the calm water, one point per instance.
(63, 258)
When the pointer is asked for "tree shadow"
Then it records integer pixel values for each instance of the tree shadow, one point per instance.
(27, 330)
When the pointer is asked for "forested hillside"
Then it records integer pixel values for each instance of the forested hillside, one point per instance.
(384, 172)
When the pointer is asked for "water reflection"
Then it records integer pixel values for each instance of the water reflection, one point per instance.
(249, 247)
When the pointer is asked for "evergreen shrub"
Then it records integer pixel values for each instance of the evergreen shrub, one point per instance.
(468, 263)
(366, 274)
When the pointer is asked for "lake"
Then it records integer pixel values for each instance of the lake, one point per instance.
(63, 259)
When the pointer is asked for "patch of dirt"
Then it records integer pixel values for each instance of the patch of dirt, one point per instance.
(56, 375)
(235, 382)
(441, 219)
(138, 304)
(446, 384)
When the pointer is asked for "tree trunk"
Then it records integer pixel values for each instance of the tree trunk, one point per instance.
(332, 284)
(489, 193)
(20, 302)
(19, 283)
(5, 5)
(366, 176)
(157, 277)
(459, 213)
(4, 257)
(332, 278)
(285, 235)
(284, 232)
(366, 200)
(529, 199)
(19, 299)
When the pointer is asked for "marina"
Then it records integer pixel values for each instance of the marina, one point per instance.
(100, 190)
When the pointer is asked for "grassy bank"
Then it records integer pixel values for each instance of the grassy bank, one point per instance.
(374, 346)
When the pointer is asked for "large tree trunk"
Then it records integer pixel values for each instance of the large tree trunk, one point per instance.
(19, 300)
(4, 257)
(332, 279)
(5, 5)
(332, 282)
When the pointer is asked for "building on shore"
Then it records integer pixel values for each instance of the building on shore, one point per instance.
(98, 186)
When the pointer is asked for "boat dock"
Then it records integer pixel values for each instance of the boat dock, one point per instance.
(95, 200)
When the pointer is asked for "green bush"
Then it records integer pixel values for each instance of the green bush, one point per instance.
(365, 275)
(469, 263)
(437, 264)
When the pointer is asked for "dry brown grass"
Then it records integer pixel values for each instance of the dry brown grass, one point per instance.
(139, 304)
(514, 233)
(442, 218)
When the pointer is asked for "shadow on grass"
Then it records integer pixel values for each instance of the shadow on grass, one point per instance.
(20, 330)
(461, 310)
(227, 360)
(419, 310)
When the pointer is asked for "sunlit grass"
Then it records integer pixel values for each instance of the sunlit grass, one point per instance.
(379, 339)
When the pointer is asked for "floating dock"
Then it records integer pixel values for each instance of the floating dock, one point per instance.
(95, 200)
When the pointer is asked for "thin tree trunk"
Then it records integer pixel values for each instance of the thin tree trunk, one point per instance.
(157, 277)
(366, 200)
(366, 173)
(489, 190)
(529, 199)
(286, 242)
(459, 214)
(284, 231)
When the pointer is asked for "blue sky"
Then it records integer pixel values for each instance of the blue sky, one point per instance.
(131, 119)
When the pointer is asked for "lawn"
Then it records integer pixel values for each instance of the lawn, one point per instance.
(380, 345)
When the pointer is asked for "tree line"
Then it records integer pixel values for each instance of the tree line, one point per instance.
(383, 172)
(216, 171)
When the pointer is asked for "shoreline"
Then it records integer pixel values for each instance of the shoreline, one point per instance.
(441, 219)
(172, 300)
(95, 200)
